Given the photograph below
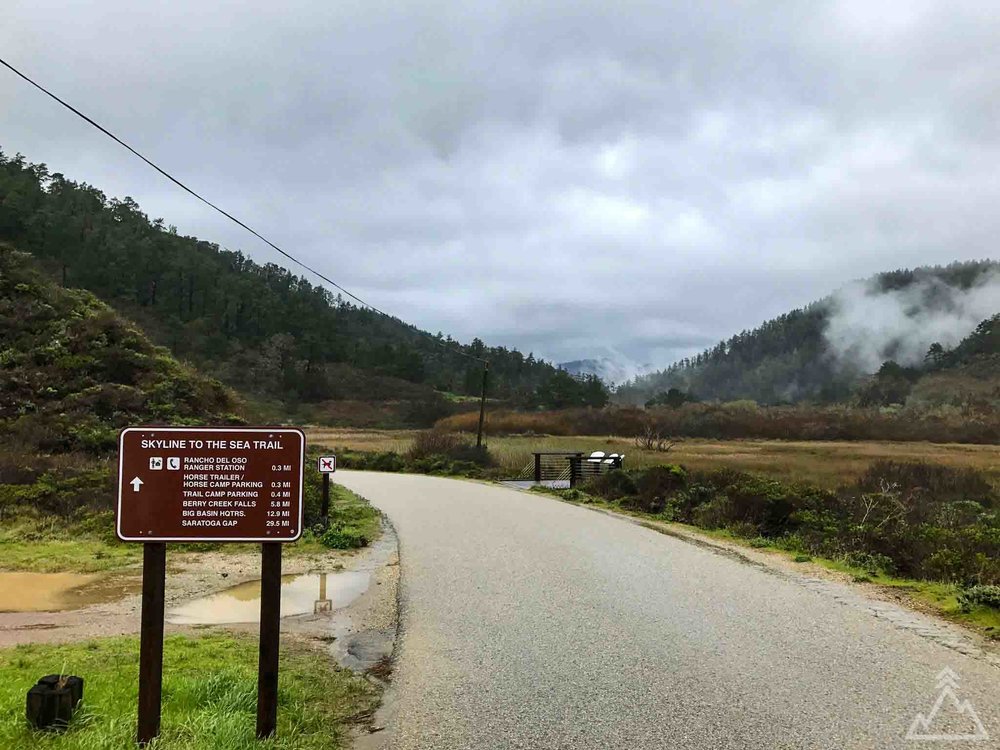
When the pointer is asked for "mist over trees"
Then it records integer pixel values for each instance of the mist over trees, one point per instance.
(259, 328)
(824, 352)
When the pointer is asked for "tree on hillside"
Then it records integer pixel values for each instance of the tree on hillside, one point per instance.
(562, 391)
(934, 356)
(672, 398)
(222, 311)
(890, 385)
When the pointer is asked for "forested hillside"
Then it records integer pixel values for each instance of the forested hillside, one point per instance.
(258, 328)
(965, 377)
(74, 372)
(826, 352)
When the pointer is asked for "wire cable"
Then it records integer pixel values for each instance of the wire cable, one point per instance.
(225, 213)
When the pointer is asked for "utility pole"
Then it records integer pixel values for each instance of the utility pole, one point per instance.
(482, 405)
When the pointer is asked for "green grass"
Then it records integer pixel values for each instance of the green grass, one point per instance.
(209, 695)
(78, 557)
(50, 545)
(353, 522)
(46, 544)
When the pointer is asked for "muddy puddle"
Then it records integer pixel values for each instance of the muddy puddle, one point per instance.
(56, 592)
(300, 594)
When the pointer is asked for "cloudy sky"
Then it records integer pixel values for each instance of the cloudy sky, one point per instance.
(568, 177)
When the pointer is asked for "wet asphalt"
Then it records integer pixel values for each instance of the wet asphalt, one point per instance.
(531, 623)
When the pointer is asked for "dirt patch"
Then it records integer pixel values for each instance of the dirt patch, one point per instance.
(189, 575)
(57, 592)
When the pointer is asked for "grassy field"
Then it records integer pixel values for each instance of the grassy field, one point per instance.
(826, 464)
(47, 545)
(209, 695)
(87, 543)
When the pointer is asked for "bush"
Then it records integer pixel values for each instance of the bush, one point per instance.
(386, 461)
(871, 562)
(452, 445)
(942, 483)
(661, 481)
(344, 537)
(983, 596)
(899, 519)
(744, 530)
(614, 485)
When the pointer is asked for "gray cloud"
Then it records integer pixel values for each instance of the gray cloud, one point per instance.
(572, 178)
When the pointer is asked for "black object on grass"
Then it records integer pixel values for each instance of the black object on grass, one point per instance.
(52, 701)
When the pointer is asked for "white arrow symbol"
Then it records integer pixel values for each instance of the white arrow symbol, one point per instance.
(136, 484)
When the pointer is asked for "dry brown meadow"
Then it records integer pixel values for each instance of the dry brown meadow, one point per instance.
(826, 463)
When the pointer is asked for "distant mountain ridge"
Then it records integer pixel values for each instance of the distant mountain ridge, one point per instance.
(608, 369)
(822, 353)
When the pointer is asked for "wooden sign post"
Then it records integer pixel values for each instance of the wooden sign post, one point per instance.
(208, 484)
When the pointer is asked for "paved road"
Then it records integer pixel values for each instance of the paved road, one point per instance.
(531, 623)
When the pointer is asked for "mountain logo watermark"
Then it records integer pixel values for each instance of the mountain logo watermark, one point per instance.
(950, 718)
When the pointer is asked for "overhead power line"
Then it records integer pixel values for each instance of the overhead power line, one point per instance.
(225, 213)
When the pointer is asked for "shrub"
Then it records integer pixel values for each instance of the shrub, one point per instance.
(450, 445)
(744, 530)
(942, 483)
(661, 481)
(344, 537)
(983, 596)
(645, 504)
(872, 563)
(384, 461)
(613, 485)
(892, 522)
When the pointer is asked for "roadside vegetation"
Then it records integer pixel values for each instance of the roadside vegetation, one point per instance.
(429, 452)
(923, 529)
(824, 463)
(209, 695)
(746, 419)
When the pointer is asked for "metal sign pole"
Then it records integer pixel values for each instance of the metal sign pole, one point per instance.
(270, 629)
(325, 509)
(154, 576)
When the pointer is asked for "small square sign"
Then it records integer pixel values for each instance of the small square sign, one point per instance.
(327, 464)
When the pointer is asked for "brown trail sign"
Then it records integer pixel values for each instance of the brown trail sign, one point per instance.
(209, 484)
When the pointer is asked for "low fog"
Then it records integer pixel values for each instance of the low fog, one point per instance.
(867, 325)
